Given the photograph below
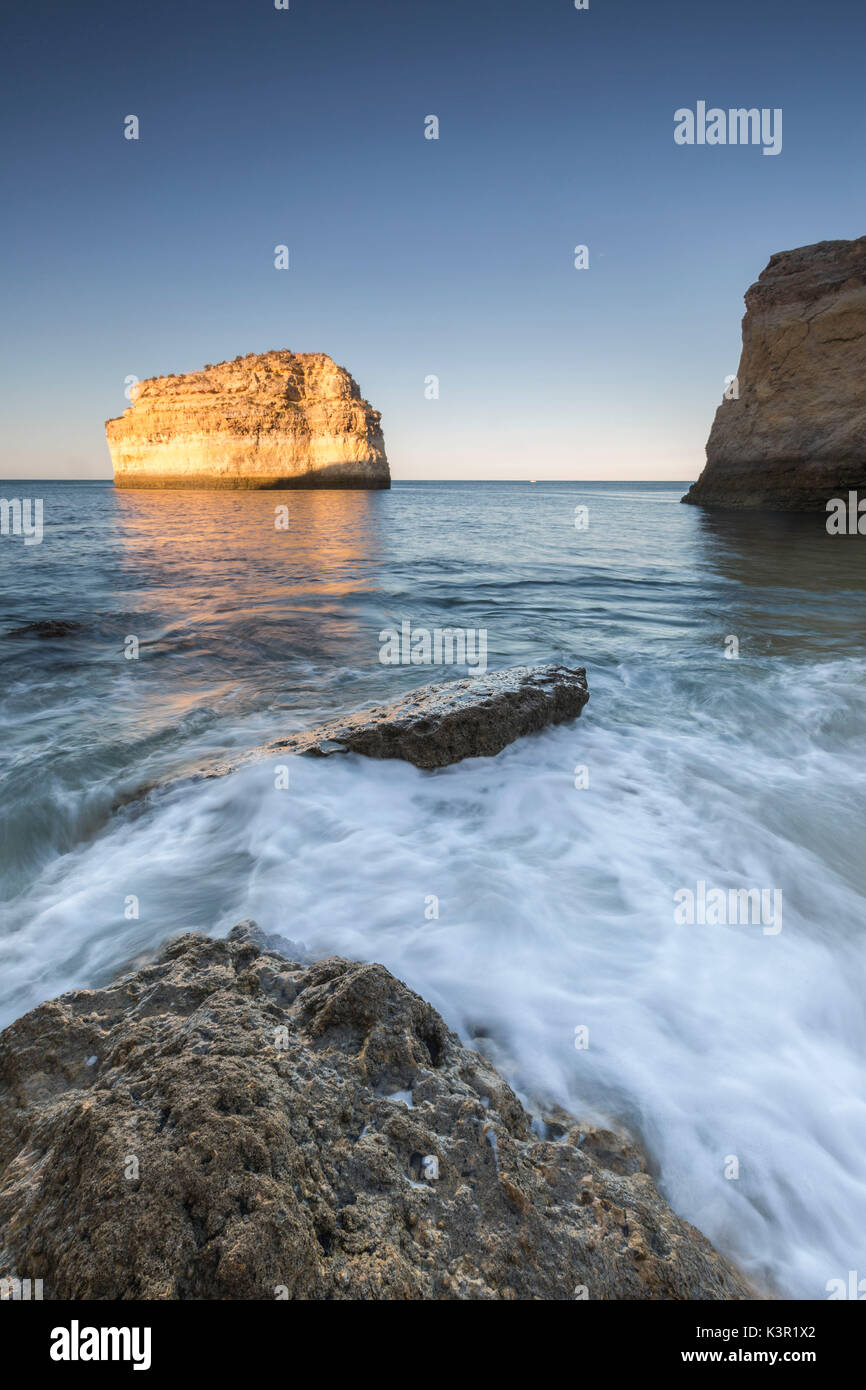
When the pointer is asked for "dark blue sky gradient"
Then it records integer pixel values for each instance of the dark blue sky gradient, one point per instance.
(409, 256)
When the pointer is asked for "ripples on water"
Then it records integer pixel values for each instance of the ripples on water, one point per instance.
(555, 904)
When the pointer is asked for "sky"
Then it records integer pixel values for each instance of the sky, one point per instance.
(412, 257)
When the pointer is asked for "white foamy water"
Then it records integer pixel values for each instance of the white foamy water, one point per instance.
(556, 910)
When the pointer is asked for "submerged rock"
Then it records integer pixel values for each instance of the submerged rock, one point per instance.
(227, 1123)
(796, 436)
(46, 629)
(441, 724)
(267, 420)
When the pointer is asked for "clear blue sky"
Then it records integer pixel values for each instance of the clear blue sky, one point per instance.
(410, 257)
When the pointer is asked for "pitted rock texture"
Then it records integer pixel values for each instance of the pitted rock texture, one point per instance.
(267, 420)
(441, 724)
(227, 1123)
(796, 436)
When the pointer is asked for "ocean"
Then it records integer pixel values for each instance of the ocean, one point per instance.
(531, 897)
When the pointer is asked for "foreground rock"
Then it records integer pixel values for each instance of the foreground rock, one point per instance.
(267, 420)
(229, 1124)
(441, 724)
(796, 436)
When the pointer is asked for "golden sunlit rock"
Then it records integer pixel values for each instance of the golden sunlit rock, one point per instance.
(267, 420)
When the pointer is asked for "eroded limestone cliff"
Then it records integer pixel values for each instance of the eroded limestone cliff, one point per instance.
(796, 435)
(273, 419)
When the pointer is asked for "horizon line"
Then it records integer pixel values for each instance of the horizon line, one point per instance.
(526, 482)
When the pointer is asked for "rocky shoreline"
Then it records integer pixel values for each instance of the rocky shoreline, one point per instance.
(231, 1122)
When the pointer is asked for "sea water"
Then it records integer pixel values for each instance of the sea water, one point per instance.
(530, 897)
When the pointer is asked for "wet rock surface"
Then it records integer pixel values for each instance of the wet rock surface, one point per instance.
(441, 724)
(229, 1123)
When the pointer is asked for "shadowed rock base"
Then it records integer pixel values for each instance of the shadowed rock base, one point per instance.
(210, 482)
(226, 1123)
(780, 486)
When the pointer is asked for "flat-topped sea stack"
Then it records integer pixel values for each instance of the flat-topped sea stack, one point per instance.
(267, 420)
(796, 434)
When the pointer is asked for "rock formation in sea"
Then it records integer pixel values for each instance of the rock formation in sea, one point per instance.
(231, 1122)
(431, 727)
(267, 420)
(796, 435)
(442, 724)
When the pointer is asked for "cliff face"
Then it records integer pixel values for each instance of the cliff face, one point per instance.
(797, 434)
(229, 1122)
(274, 419)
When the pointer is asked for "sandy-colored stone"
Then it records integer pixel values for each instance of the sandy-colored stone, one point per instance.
(230, 1123)
(267, 420)
(796, 436)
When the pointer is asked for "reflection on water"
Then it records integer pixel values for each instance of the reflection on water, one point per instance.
(237, 621)
(261, 573)
(793, 588)
(782, 550)
(246, 599)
